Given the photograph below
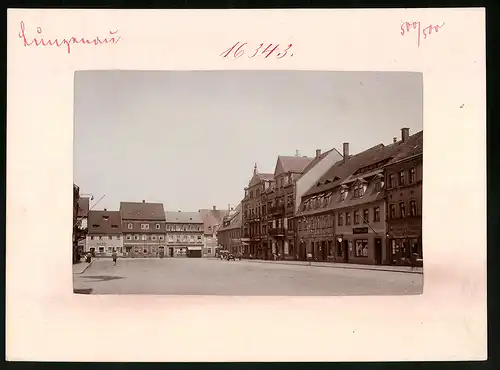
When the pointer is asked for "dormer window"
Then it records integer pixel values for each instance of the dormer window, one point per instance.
(343, 193)
(105, 218)
(95, 226)
(359, 190)
(129, 226)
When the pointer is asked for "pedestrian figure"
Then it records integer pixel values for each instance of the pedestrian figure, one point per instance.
(309, 258)
(115, 256)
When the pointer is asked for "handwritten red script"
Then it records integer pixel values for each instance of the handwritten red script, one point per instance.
(425, 32)
(38, 40)
(262, 50)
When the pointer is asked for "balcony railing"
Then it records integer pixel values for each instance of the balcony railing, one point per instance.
(277, 231)
(277, 209)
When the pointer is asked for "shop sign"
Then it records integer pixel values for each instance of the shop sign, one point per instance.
(360, 230)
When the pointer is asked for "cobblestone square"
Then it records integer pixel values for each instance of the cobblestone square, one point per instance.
(207, 276)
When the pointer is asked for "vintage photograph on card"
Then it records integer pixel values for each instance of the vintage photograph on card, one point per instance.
(248, 183)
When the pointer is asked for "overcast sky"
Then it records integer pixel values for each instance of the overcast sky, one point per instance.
(190, 139)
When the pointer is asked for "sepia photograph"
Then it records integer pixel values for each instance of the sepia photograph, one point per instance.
(248, 183)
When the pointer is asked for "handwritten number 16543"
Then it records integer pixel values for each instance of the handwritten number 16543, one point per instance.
(239, 49)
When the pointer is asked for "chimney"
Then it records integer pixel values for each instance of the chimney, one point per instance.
(215, 209)
(395, 140)
(346, 151)
(143, 201)
(405, 133)
(318, 153)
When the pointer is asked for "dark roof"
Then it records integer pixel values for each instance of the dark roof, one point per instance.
(211, 218)
(235, 218)
(83, 206)
(414, 146)
(142, 211)
(107, 222)
(183, 217)
(360, 164)
(257, 178)
(293, 163)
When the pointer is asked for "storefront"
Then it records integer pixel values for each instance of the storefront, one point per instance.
(405, 242)
(361, 246)
(194, 252)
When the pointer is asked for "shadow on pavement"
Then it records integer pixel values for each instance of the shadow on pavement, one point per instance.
(82, 291)
(103, 277)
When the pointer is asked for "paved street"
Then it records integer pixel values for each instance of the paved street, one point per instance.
(215, 277)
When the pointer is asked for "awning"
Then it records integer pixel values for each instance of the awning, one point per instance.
(191, 248)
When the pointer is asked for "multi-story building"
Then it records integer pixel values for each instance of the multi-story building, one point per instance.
(281, 204)
(185, 233)
(76, 196)
(254, 233)
(403, 176)
(229, 235)
(143, 227)
(104, 233)
(212, 220)
(343, 217)
(83, 211)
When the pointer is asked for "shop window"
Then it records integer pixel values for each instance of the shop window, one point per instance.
(402, 210)
(356, 217)
(145, 251)
(137, 249)
(119, 249)
(413, 208)
(392, 209)
(361, 248)
(101, 249)
(110, 249)
(348, 218)
(376, 214)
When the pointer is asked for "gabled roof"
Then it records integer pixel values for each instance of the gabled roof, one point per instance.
(315, 161)
(142, 211)
(83, 206)
(104, 222)
(183, 217)
(294, 164)
(212, 218)
(257, 178)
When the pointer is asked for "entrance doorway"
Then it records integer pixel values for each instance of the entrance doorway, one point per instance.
(345, 250)
(378, 251)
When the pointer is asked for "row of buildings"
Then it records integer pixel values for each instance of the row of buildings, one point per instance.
(364, 208)
(145, 229)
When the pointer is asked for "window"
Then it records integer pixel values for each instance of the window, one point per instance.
(95, 226)
(110, 237)
(361, 248)
(348, 218)
(392, 181)
(157, 226)
(119, 249)
(118, 237)
(392, 209)
(161, 237)
(341, 219)
(359, 191)
(199, 237)
(91, 238)
(153, 237)
(402, 211)
(101, 249)
(401, 178)
(376, 214)
(356, 217)
(110, 249)
(144, 226)
(144, 237)
(378, 186)
(105, 218)
(413, 208)
(137, 249)
(209, 250)
(413, 176)
(114, 226)
(100, 238)
(129, 226)
(129, 237)
(153, 249)
(343, 194)
(365, 216)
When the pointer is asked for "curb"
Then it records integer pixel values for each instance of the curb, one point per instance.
(85, 269)
(342, 267)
